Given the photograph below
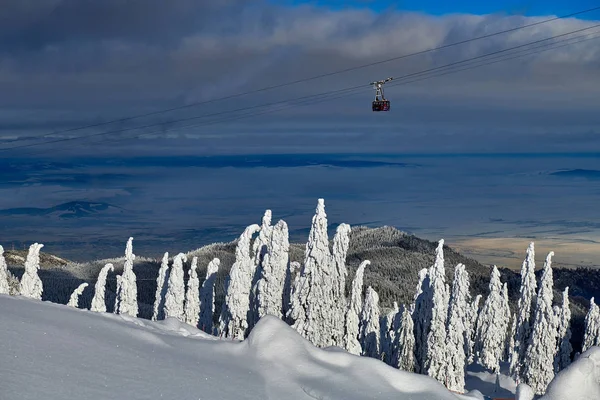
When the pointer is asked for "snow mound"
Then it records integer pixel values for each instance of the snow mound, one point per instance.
(579, 381)
(53, 352)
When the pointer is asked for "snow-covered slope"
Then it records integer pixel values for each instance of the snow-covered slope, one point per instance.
(51, 351)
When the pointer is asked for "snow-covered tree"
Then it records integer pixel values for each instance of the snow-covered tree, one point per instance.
(405, 343)
(313, 303)
(369, 324)
(233, 322)
(117, 295)
(175, 296)
(161, 289)
(524, 313)
(564, 348)
(510, 338)
(207, 297)
(262, 243)
(341, 242)
(4, 288)
(31, 284)
(290, 278)
(591, 336)
(507, 316)
(491, 327)
(74, 299)
(351, 342)
(538, 371)
(128, 295)
(99, 301)
(457, 324)
(471, 329)
(387, 334)
(435, 361)
(272, 271)
(421, 315)
(192, 296)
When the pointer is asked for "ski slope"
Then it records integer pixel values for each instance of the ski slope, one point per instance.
(54, 352)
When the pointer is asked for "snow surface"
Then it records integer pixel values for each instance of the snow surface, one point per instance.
(50, 351)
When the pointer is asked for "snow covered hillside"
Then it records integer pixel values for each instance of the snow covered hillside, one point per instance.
(55, 352)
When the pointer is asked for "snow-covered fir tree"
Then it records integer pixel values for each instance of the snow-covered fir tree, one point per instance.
(351, 342)
(175, 296)
(491, 327)
(538, 371)
(233, 321)
(387, 333)
(341, 242)
(74, 299)
(161, 289)
(99, 301)
(272, 271)
(435, 361)
(261, 245)
(314, 306)
(405, 343)
(591, 335)
(31, 284)
(207, 297)
(421, 315)
(472, 328)
(564, 347)
(369, 324)
(192, 295)
(117, 295)
(457, 324)
(510, 338)
(507, 318)
(291, 275)
(128, 294)
(4, 288)
(524, 313)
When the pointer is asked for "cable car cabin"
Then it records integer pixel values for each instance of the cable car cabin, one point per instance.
(381, 105)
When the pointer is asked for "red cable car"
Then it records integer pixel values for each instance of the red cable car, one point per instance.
(380, 103)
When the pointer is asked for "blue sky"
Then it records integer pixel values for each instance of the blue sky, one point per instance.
(439, 7)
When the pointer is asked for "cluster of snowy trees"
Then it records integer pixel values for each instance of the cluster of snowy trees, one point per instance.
(439, 334)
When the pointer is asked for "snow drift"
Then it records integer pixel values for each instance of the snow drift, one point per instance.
(51, 351)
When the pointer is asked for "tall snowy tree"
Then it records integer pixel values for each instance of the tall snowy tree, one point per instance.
(290, 277)
(404, 358)
(262, 243)
(369, 324)
(207, 297)
(117, 295)
(341, 242)
(99, 301)
(351, 342)
(175, 297)
(161, 289)
(313, 303)
(457, 324)
(31, 284)
(491, 327)
(471, 329)
(435, 361)
(233, 322)
(128, 301)
(524, 313)
(507, 316)
(591, 336)
(538, 371)
(272, 271)
(192, 296)
(4, 288)
(421, 315)
(74, 299)
(564, 348)
(387, 334)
